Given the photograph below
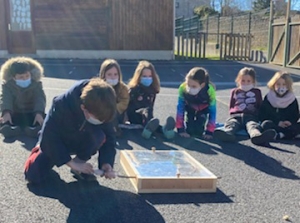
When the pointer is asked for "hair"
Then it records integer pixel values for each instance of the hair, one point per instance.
(99, 98)
(285, 76)
(246, 71)
(135, 80)
(20, 65)
(198, 74)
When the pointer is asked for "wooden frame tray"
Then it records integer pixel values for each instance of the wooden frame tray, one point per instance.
(166, 171)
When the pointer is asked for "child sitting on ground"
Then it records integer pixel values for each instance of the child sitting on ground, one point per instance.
(280, 110)
(197, 98)
(245, 101)
(78, 123)
(143, 88)
(23, 99)
(110, 72)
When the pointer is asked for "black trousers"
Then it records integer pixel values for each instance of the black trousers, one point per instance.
(23, 119)
(289, 132)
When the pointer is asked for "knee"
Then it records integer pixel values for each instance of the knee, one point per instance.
(267, 124)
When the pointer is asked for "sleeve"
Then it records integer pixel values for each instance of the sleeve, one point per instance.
(123, 99)
(293, 116)
(212, 108)
(40, 100)
(7, 99)
(50, 140)
(232, 99)
(267, 112)
(180, 110)
(107, 151)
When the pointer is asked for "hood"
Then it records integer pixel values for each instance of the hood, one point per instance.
(37, 71)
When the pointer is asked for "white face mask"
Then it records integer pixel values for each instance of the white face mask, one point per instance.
(281, 90)
(112, 82)
(247, 87)
(193, 91)
(94, 121)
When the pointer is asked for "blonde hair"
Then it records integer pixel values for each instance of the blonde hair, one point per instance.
(278, 75)
(246, 71)
(108, 64)
(135, 80)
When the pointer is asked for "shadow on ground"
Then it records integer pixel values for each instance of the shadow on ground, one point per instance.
(91, 202)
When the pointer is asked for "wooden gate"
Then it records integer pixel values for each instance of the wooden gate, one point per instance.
(284, 39)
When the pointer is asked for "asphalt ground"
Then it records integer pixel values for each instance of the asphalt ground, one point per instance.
(256, 183)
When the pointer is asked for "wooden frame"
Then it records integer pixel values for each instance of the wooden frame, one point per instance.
(166, 184)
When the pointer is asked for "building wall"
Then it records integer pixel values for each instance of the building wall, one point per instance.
(185, 7)
(3, 26)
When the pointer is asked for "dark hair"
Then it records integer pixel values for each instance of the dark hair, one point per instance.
(19, 67)
(99, 98)
(198, 74)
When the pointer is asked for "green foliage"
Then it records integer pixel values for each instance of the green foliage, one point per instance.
(204, 11)
(259, 5)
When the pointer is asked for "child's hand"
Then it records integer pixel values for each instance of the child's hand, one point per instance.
(81, 167)
(287, 123)
(207, 136)
(108, 171)
(184, 134)
(6, 118)
(38, 119)
(283, 124)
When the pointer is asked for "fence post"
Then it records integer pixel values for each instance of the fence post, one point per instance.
(287, 35)
(249, 24)
(270, 37)
(218, 32)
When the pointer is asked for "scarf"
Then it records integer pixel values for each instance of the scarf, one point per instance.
(280, 102)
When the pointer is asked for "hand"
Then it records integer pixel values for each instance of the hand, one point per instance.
(287, 123)
(38, 119)
(184, 134)
(282, 124)
(207, 136)
(109, 173)
(6, 118)
(81, 167)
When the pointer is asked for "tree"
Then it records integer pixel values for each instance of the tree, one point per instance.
(259, 5)
(204, 11)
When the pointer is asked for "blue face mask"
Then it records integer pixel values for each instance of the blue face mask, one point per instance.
(146, 81)
(23, 83)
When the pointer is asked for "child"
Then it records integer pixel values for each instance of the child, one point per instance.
(245, 101)
(110, 72)
(197, 98)
(280, 110)
(143, 88)
(23, 99)
(78, 123)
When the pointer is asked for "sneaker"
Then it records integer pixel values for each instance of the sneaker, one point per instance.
(32, 131)
(151, 127)
(9, 131)
(223, 136)
(264, 137)
(83, 176)
(168, 128)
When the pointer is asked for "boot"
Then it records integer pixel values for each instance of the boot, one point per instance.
(151, 127)
(168, 128)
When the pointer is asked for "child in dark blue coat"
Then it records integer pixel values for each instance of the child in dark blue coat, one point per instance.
(78, 123)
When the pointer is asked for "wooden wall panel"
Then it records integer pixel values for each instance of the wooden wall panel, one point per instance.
(71, 24)
(142, 25)
(3, 26)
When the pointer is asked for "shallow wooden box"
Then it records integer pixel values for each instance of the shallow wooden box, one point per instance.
(166, 171)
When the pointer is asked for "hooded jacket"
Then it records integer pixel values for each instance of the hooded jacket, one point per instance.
(15, 99)
(66, 131)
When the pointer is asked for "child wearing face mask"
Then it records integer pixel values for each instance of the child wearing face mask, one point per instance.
(143, 88)
(78, 123)
(23, 99)
(245, 101)
(110, 71)
(280, 110)
(196, 102)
